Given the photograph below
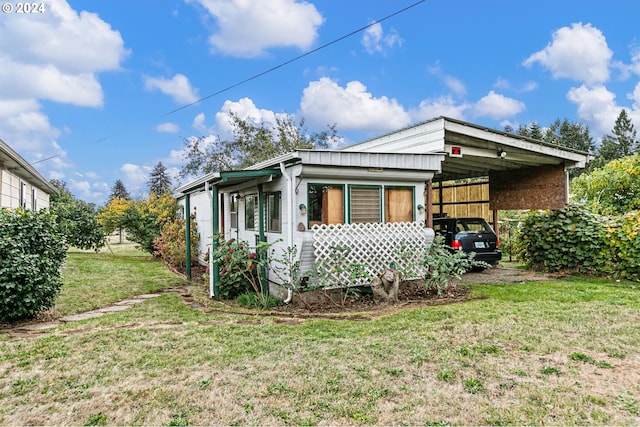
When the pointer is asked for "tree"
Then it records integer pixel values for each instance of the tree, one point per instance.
(76, 218)
(159, 180)
(119, 191)
(112, 216)
(145, 219)
(622, 143)
(613, 189)
(574, 136)
(251, 144)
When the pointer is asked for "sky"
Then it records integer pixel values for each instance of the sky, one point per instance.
(92, 91)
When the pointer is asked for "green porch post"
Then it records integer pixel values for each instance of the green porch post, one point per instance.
(215, 217)
(262, 253)
(187, 218)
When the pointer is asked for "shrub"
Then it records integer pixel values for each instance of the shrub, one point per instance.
(624, 240)
(32, 252)
(171, 246)
(571, 238)
(234, 263)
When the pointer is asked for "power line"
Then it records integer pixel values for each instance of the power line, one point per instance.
(296, 58)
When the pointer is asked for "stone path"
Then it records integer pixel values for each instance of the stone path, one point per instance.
(34, 327)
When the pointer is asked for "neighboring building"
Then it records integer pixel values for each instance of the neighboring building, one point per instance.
(21, 185)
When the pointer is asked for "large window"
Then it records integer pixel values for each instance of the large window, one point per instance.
(274, 212)
(250, 207)
(365, 204)
(325, 204)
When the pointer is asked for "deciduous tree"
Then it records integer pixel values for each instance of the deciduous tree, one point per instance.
(251, 144)
(77, 219)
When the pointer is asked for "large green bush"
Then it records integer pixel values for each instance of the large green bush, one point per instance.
(571, 238)
(624, 240)
(32, 252)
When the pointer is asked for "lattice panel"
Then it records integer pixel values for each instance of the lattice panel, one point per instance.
(373, 246)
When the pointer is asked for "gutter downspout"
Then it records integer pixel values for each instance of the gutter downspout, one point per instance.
(291, 222)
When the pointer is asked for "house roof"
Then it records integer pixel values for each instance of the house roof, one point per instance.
(472, 150)
(13, 162)
(321, 158)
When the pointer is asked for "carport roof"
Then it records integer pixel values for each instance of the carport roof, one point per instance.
(472, 150)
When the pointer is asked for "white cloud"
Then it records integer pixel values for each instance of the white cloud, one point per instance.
(375, 41)
(635, 97)
(246, 110)
(135, 178)
(178, 87)
(55, 55)
(85, 190)
(168, 128)
(443, 106)
(579, 52)
(596, 106)
(497, 106)
(324, 102)
(273, 23)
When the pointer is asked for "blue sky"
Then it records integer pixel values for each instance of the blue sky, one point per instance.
(90, 85)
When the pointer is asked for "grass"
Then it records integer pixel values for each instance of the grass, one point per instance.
(91, 281)
(561, 353)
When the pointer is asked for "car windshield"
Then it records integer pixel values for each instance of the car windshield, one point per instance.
(477, 225)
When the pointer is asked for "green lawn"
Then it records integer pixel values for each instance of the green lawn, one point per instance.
(560, 353)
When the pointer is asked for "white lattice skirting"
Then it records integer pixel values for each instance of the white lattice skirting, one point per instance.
(375, 247)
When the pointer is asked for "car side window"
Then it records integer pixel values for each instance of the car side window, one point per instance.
(459, 227)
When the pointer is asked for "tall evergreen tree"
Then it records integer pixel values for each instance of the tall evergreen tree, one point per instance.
(159, 180)
(570, 135)
(119, 191)
(623, 142)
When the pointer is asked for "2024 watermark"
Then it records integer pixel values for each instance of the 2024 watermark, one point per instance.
(23, 8)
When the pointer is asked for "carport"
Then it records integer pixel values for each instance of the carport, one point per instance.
(522, 173)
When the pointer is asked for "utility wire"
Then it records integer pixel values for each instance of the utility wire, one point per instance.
(296, 58)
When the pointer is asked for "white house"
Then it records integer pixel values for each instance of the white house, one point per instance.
(311, 199)
(21, 185)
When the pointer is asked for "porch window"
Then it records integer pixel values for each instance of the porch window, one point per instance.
(274, 210)
(398, 204)
(234, 210)
(250, 207)
(365, 204)
(325, 204)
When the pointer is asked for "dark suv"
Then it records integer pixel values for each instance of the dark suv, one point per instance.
(469, 235)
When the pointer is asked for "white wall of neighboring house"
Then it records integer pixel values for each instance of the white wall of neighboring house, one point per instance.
(21, 185)
(17, 192)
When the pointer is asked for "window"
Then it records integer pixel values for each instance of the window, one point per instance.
(325, 204)
(398, 204)
(234, 210)
(34, 200)
(250, 205)
(274, 209)
(364, 204)
(23, 195)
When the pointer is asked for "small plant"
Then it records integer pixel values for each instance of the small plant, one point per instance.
(473, 386)
(445, 375)
(550, 370)
(98, 419)
(253, 300)
(441, 265)
(336, 265)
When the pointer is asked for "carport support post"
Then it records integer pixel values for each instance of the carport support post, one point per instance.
(187, 235)
(496, 224)
(429, 204)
